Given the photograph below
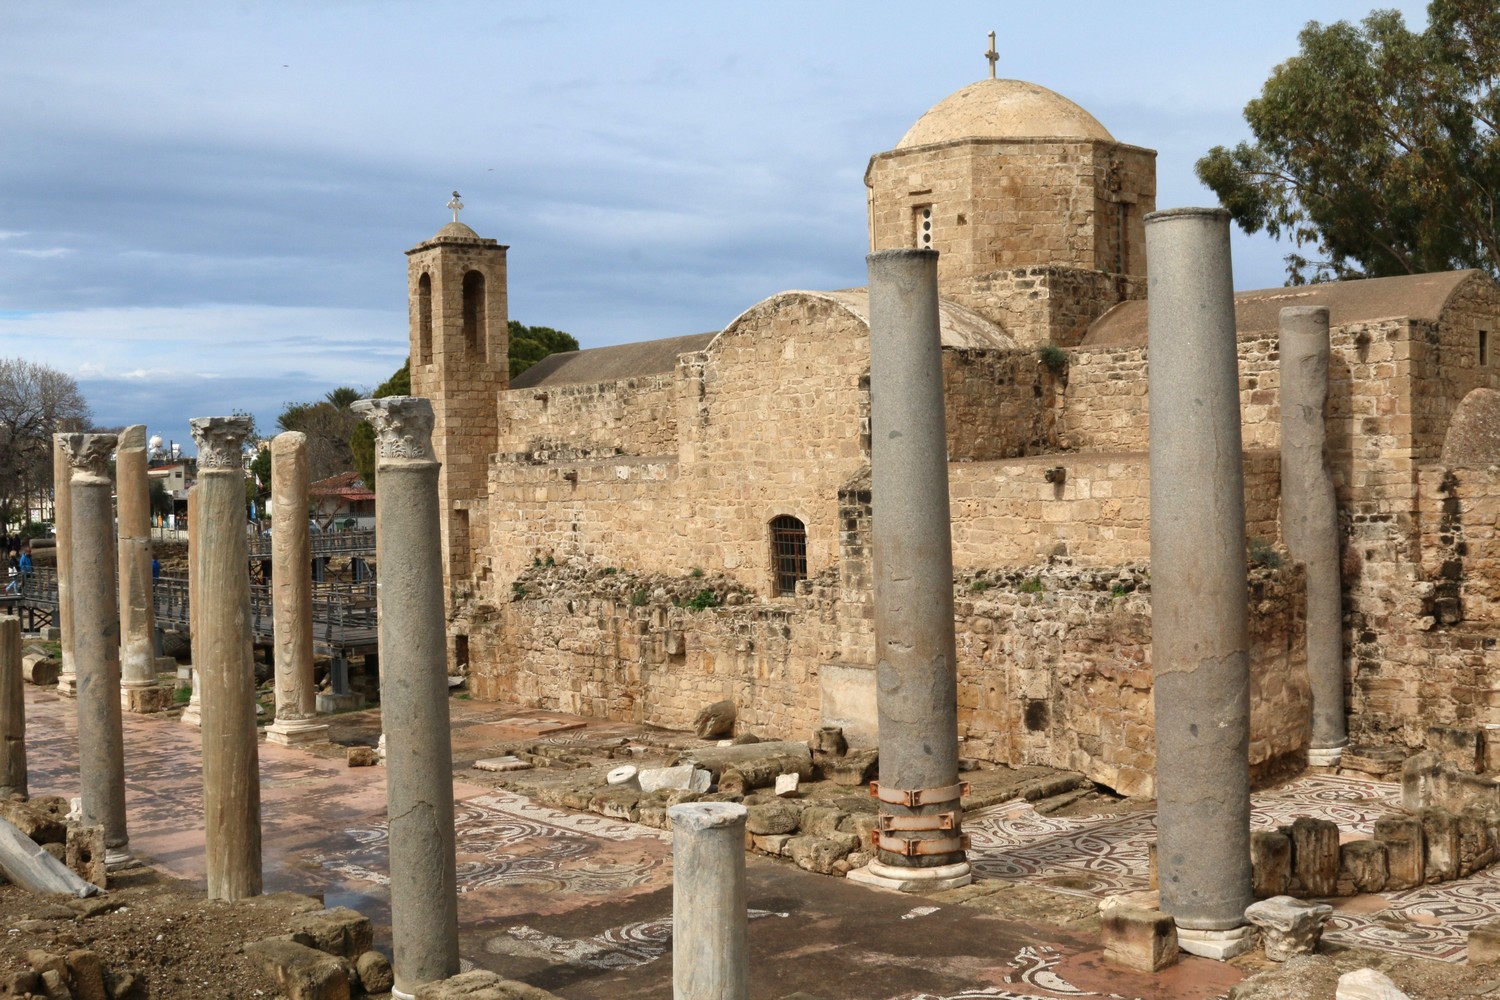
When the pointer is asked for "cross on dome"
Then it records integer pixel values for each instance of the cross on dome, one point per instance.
(992, 55)
(455, 204)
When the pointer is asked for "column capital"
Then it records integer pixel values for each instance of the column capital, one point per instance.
(220, 441)
(88, 455)
(403, 428)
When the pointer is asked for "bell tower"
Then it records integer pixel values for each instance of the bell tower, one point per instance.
(460, 346)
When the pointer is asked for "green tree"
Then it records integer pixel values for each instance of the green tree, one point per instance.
(1376, 147)
(362, 439)
(530, 344)
(328, 425)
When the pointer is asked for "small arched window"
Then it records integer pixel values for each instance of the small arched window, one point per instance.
(474, 312)
(788, 553)
(424, 319)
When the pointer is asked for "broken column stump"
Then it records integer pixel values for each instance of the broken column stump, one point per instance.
(1144, 940)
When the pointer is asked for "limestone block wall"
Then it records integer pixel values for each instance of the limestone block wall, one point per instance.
(1447, 356)
(1006, 513)
(636, 416)
(999, 404)
(1041, 304)
(769, 417)
(1053, 661)
(1460, 544)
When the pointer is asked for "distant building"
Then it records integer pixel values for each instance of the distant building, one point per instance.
(342, 501)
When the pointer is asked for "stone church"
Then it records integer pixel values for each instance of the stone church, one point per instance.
(584, 498)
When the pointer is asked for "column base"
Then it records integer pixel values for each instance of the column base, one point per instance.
(145, 699)
(193, 715)
(402, 996)
(295, 732)
(913, 879)
(1325, 756)
(1218, 945)
(118, 859)
(329, 704)
(67, 685)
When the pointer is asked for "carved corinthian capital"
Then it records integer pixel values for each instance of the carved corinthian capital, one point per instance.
(403, 428)
(220, 440)
(88, 455)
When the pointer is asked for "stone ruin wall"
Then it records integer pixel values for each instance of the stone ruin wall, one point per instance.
(635, 416)
(1448, 358)
(1043, 304)
(999, 404)
(1058, 675)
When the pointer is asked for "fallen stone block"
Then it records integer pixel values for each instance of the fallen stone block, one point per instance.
(1367, 984)
(1270, 863)
(338, 931)
(820, 854)
(41, 818)
(85, 853)
(86, 974)
(374, 971)
(770, 818)
(481, 985)
(682, 776)
(362, 756)
(760, 763)
(303, 973)
(1484, 944)
(714, 720)
(786, 784)
(857, 767)
(39, 669)
(1440, 840)
(1461, 746)
(1144, 940)
(1406, 864)
(1288, 926)
(1362, 867)
(1315, 855)
(509, 762)
(1418, 776)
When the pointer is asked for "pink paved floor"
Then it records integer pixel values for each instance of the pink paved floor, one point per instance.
(580, 904)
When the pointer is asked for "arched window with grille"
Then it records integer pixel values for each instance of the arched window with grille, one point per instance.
(788, 553)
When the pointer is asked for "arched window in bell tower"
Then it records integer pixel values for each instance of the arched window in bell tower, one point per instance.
(424, 319)
(474, 312)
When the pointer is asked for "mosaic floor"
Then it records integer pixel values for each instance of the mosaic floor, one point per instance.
(1101, 856)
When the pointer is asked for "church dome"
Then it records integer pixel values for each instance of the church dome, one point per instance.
(1003, 109)
(458, 230)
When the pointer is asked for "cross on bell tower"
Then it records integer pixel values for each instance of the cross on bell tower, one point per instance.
(991, 55)
(455, 204)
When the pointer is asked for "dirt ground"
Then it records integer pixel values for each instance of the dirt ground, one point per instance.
(157, 937)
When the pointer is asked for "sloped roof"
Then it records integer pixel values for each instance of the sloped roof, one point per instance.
(610, 364)
(958, 326)
(1412, 296)
(345, 486)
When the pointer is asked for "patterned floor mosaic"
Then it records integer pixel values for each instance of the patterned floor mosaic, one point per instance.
(1101, 856)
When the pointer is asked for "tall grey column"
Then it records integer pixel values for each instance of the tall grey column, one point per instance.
(1310, 519)
(140, 692)
(919, 844)
(1199, 600)
(96, 645)
(710, 941)
(193, 714)
(62, 526)
(414, 693)
(12, 711)
(231, 779)
(291, 590)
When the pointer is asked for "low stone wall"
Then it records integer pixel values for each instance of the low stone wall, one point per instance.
(1054, 663)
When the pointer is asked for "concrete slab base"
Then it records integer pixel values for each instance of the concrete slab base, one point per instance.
(1218, 945)
(913, 879)
(295, 732)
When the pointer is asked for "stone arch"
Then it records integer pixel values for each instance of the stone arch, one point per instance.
(473, 313)
(424, 319)
(788, 540)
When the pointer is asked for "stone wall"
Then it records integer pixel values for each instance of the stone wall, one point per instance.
(636, 416)
(1054, 662)
(1043, 304)
(999, 404)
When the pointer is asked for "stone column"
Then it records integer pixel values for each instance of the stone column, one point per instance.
(291, 590)
(62, 524)
(414, 693)
(139, 690)
(920, 845)
(12, 711)
(710, 942)
(1310, 520)
(193, 714)
(1199, 600)
(96, 645)
(221, 599)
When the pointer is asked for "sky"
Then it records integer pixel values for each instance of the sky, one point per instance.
(204, 207)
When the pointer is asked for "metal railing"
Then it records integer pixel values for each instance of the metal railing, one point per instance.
(328, 543)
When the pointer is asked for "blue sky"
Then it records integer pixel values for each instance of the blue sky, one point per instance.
(204, 207)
